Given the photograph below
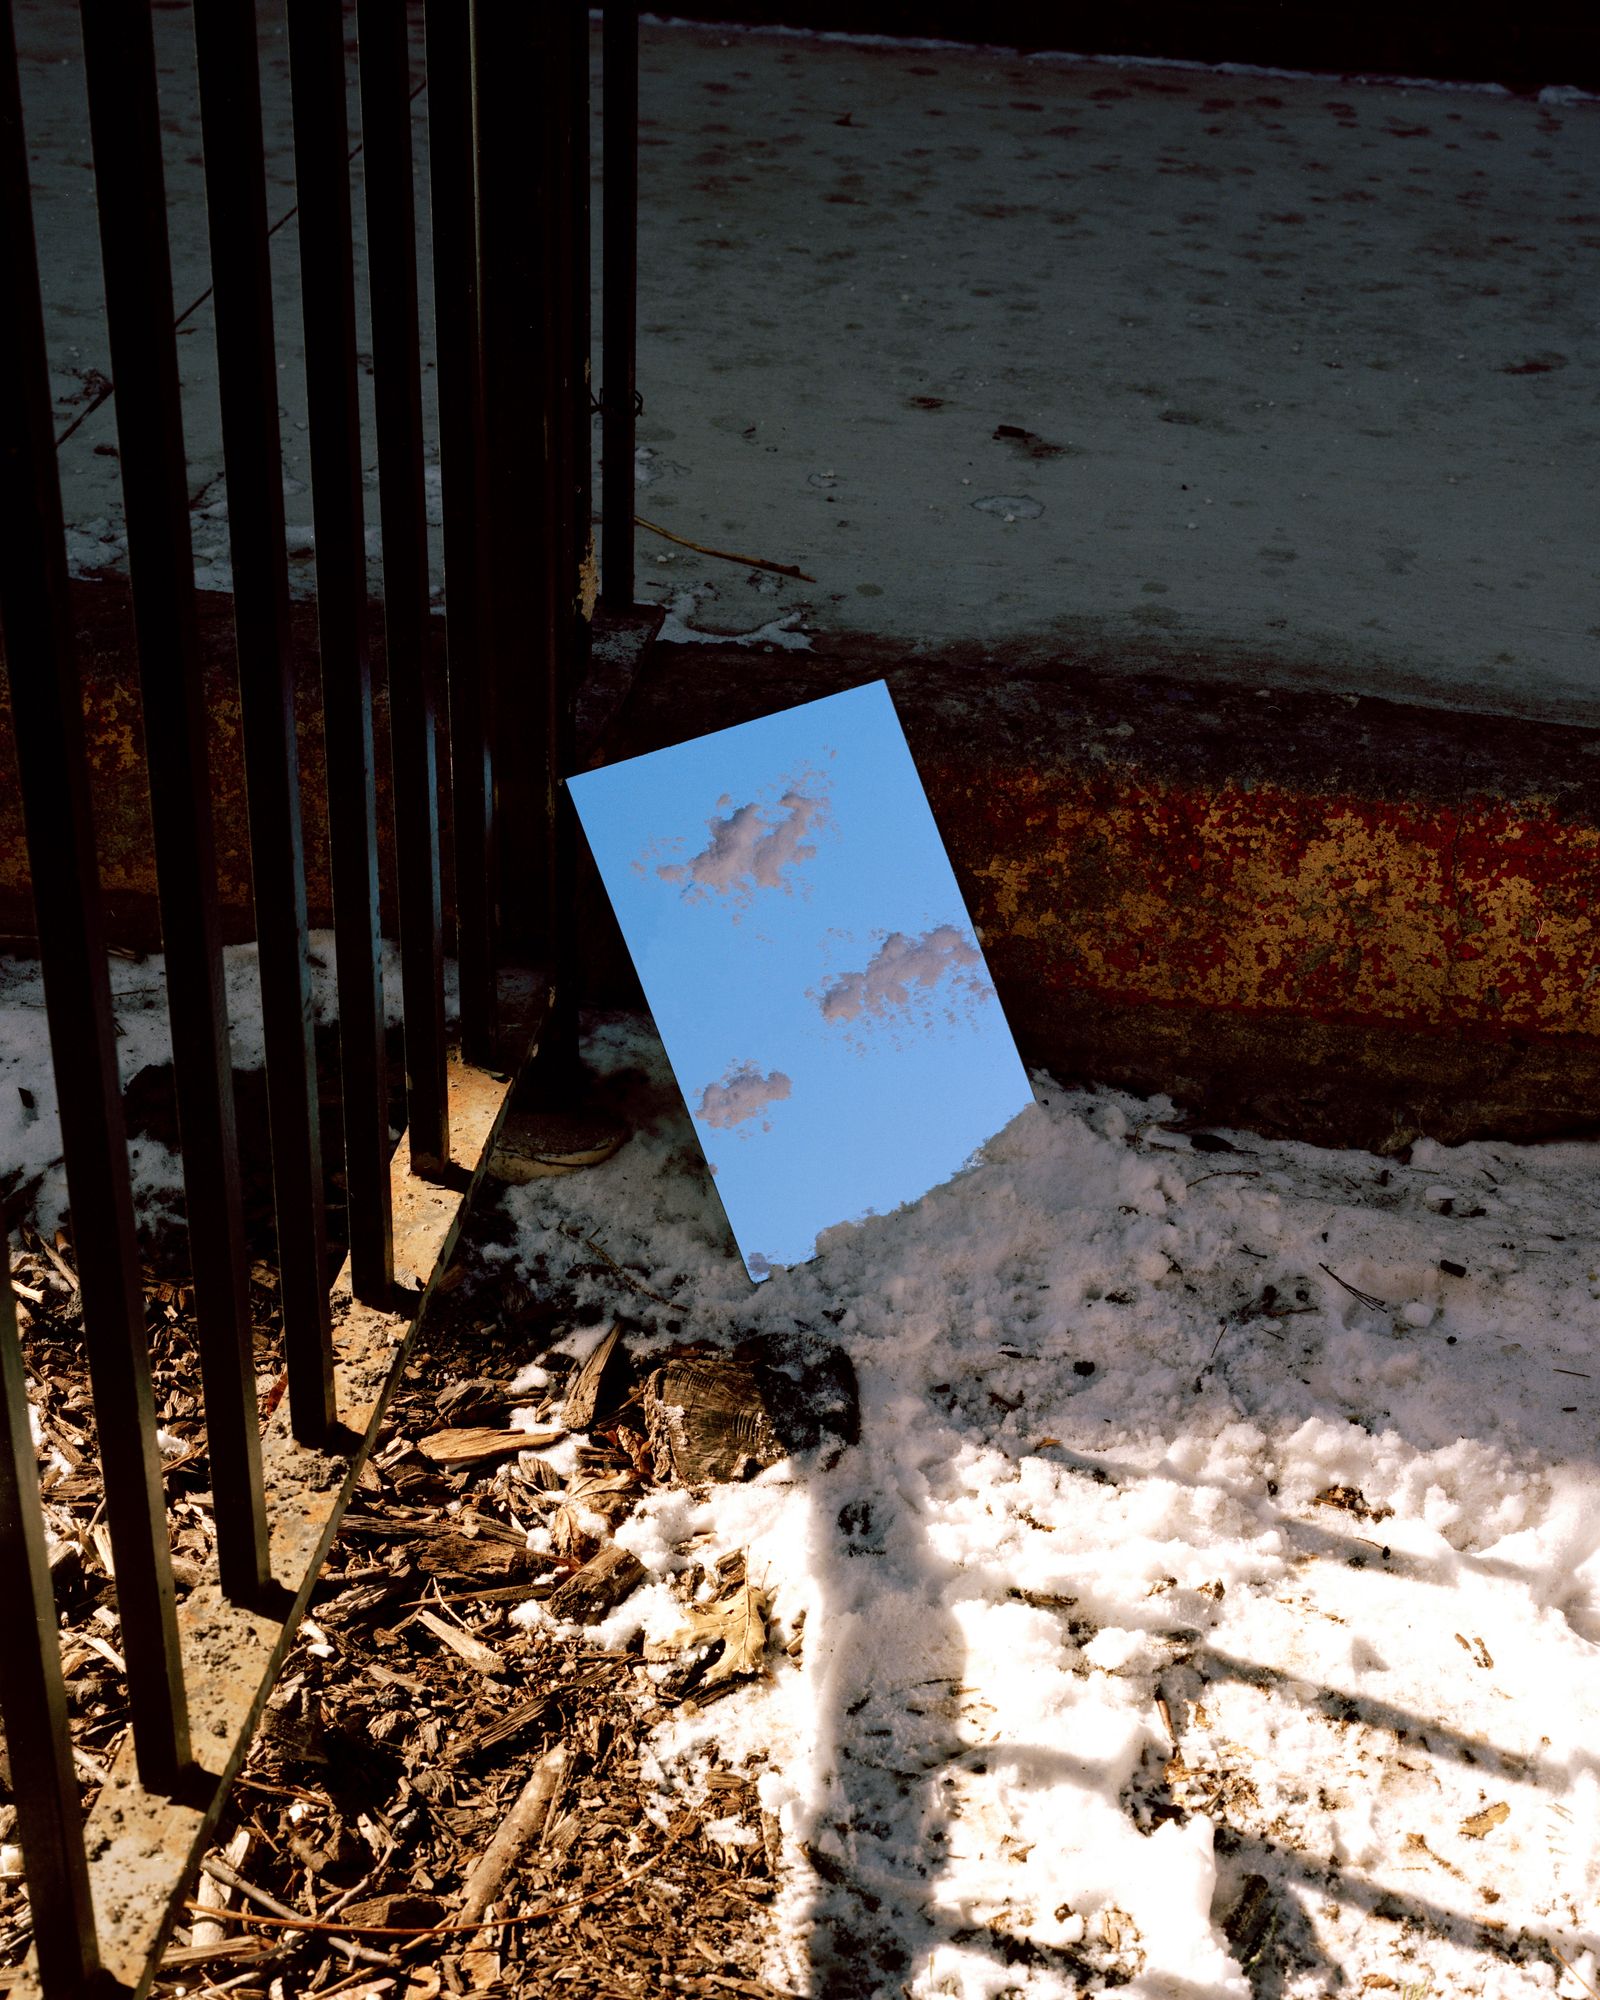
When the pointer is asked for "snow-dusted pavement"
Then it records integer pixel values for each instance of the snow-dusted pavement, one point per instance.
(1165, 1560)
(1272, 377)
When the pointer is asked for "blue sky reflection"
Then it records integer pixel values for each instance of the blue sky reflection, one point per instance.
(810, 965)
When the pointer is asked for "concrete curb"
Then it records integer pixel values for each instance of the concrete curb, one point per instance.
(102, 621)
(1316, 914)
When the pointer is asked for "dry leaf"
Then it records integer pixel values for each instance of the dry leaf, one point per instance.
(572, 1535)
(1477, 1824)
(739, 1620)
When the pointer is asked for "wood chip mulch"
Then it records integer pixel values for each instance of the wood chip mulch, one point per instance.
(416, 1720)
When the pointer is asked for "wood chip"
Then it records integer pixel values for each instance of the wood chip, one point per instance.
(599, 1587)
(484, 1659)
(708, 1420)
(405, 1907)
(485, 1557)
(1477, 1824)
(455, 1449)
(597, 1387)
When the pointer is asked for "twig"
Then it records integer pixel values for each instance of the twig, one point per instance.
(622, 1272)
(520, 1826)
(345, 1985)
(282, 1917)
(245, 1979)
(1567, 1962)
(722, 555)
(63, 1269)
(285, 1791)
(1228, 1173)
(294, 1923)
(1366, 1298)
(349, 1985)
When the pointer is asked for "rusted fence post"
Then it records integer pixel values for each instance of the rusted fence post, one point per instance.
(619, 286)
(236, 201)
(125, 121)
(47, 716)
(328, 307)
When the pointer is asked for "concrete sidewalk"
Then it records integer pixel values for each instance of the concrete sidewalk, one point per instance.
(1277, 378)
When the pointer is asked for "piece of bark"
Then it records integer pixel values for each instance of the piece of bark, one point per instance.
(407, 1908)
(598, 1588)
(522, 1715)
(708, 1420)
(599, 1385)
(481, 1557)
(502, 1728)
(478, 1401)
(457, 1450)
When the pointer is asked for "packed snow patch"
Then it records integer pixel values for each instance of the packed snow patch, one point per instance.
(1193, 1617)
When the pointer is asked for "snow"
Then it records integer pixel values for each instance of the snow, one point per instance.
(30, 1130)
(1557, 93)
(1219, 1511)
(780, 632)
(1133, 1456)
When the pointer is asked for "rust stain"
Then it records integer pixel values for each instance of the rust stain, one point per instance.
(1259, 899)
(1342, 909)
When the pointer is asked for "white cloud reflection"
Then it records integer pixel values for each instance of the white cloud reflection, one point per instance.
(744, 1093)
(752, 847)
(904, 968)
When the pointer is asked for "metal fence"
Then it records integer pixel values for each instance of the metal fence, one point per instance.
(506, 96)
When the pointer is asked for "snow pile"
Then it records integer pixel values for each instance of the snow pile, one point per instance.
(1218, 1515)
(30, 1128)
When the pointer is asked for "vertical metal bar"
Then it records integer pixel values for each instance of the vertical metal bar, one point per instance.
(579, 395)
(33, 1700)
(230, 124)
(397, 386)
(619, 287)
(570, 429)
(47, 718)
(327, 290)
(124, 117)
(510, 61)
(461, 452)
